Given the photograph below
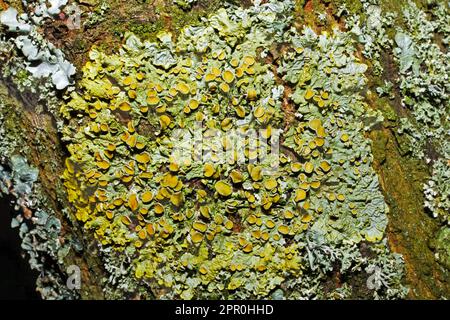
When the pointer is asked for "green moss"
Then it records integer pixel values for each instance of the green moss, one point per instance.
(410, 228)
(353, 6)
(162, 15)
(145, 30)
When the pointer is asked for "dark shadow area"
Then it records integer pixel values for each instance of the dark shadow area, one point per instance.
(17, 280)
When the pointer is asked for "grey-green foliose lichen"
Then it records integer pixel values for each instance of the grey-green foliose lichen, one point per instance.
(39, 230)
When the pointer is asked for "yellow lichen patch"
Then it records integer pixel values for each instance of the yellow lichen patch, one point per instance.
(249, 60)
(158, 208)
(229, 224)
(325, 166)
(236, 176)
(270, 224)
(345, 137)
(143, 158)
(133, 202)
(132, 94)
(200, 226)
(204, 211)
(228, 76)
(283, 229)
(259, 112)
(255, 172)
(177, 199)
(251, 94)
(315, 184)
(103, 164)
(142, 234)
(196, 237)
(191, 210)
(170, 181)
(288, 215)
(125, 106)
(210, 77)
(248, 248)
(164, 121)
(309, 167)
(309, 94)
(296, 167)
(270, 184)
(208, 170)
(315, 124)
(193, 104)
(300, 195)
(224, 87)
(223, 188)
(153, 100)
(183, 87)
(150, 229)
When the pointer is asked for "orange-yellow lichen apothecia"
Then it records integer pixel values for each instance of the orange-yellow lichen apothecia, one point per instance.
(215, 223)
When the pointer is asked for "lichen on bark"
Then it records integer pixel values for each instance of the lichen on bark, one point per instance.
(32, 119)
